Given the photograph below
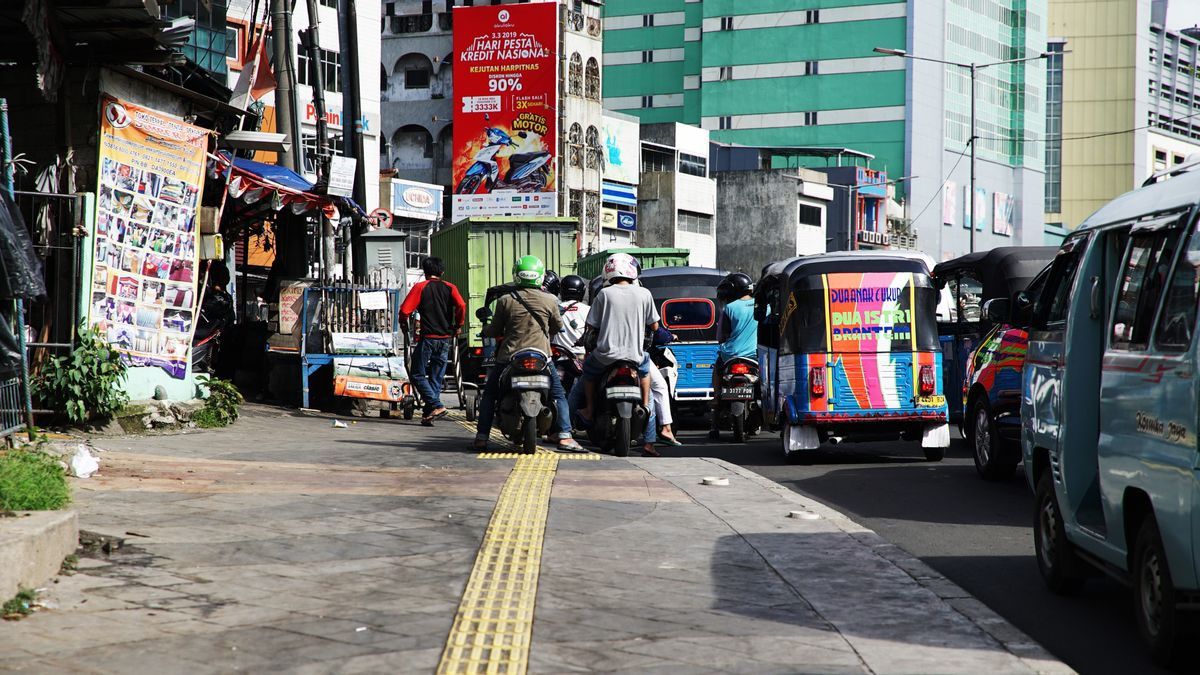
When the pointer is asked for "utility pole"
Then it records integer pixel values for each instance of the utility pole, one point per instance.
(310, 40)
(285, 82)
(352, 134)
(974, 138)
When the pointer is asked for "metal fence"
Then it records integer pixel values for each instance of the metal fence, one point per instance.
(55, 223)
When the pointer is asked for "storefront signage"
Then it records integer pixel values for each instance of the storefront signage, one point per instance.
(144, 253)
(341, 176)
(411, 199)
(505, 110)
(618, 220)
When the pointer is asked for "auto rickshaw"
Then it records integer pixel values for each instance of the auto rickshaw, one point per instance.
(857, 355)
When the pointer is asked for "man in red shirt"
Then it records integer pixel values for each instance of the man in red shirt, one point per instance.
(442, 311)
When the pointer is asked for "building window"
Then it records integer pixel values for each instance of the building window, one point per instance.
(648, 57)
(575, 210)
(810, 215)
(727, 23)
(647, 101)
(647, 20)
(657, 159)
(331, 70)
(1053, 157)
(696, 223)
(591, 80)
(332, 4)
(812, 16)
(233, 44)
(693, 165)
(412, 23)
(417, 245)
(416, 79)
(810, 67)
(810, 119)
(1176, 160)
(575, 145)
(308, 142)
(726, 73)
(725, 122)
(594, 160)
(575, 75)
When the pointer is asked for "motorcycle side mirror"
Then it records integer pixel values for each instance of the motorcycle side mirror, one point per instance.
(483, 314)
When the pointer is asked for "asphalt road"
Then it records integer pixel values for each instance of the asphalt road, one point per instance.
(978, 534)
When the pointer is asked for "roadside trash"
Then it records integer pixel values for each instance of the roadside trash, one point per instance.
(83, 464)
(712, 480)
(338, 424)
(803, 515)
(360, 629)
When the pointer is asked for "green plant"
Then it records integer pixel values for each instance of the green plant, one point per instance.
(85, 383)
(221, 406)
(20, 606)
(32, 481)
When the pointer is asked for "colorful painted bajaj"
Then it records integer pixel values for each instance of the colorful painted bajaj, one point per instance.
(857, 354)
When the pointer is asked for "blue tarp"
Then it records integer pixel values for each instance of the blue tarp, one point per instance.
(273, 173)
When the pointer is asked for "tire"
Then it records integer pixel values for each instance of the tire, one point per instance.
(469, 185)
(934, 454)
(623, 438)
(458, 383)
(993, 461)
(791, 456)
(1059, 566)
(739, 429)
(409, 409)
(529, 436)
(472, 407)
(1154, 595)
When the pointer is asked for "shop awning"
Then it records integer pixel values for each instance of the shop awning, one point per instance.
(249, 183)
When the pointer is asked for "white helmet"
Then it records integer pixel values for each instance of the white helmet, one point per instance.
(620, 266)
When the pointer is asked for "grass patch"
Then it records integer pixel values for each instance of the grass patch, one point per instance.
(207, 418)
(220, 407)
(32, 481)
(70, 565)
(20, 606)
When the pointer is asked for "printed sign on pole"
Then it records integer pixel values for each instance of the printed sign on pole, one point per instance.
(505, 103)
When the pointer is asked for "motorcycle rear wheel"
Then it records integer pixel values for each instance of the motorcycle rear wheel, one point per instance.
(624, 437)
(739, 429)
(529, 435)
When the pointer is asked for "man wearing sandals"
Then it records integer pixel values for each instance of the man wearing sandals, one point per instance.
(442, 311)
(525, 318)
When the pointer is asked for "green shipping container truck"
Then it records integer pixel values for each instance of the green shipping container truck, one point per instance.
(479, 253)
(592, 266)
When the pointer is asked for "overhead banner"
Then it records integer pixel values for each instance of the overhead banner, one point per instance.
(505, 103)
(143, 297)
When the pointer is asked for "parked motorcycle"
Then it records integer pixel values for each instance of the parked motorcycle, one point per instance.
(739, 404)
(621, 415)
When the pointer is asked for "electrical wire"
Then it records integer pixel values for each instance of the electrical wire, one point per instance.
(1080, 138)
(941, 189)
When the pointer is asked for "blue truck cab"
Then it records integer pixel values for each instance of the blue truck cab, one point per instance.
(1109, 410)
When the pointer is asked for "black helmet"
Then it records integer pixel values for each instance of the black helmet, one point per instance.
(550, 282)
(735, 286)
(572, 287)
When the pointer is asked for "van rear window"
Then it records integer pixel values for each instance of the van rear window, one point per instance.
(688, 314)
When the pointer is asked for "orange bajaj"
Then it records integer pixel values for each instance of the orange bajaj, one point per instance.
(857, 355)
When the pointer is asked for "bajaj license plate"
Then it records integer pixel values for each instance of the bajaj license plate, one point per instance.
(530, 382)
(737, 392)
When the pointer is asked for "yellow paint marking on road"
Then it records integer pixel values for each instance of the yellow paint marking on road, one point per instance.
(493, 628)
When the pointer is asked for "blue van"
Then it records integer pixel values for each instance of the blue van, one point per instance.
(1109, 406)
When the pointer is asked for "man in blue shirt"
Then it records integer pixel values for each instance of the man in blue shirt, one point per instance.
(737, 329)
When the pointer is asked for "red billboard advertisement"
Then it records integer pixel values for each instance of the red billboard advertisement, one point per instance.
(505, 102)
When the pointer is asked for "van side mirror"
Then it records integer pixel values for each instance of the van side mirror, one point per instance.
(997, 310)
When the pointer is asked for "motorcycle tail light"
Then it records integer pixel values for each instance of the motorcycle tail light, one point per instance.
(739, 369)
(530, 363)
(477, 351)
(928, 381)
(816, 382)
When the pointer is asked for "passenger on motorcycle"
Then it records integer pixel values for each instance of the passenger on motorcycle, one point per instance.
(619, 318)
(574, 314)
(525, 318)
(737, 330)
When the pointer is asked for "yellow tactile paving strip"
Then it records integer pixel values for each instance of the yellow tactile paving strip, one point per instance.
(493, 627)
(509, 449)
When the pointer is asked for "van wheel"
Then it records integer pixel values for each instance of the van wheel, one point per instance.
(993, 461)
(1154, 594)
(792, 456)
(1057, 562)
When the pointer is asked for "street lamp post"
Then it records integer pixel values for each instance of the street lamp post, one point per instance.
(973, 68)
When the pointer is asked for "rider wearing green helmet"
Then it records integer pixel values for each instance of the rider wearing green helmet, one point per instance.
(526, 317)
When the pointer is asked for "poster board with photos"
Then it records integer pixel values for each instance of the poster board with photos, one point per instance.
(144, 255)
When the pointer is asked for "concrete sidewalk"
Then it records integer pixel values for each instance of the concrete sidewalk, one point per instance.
(285, 544)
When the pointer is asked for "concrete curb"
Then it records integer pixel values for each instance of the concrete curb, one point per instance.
(1033, 655)
(32, 548)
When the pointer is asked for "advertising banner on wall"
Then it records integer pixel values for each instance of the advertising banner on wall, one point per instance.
(1002, 214)
(980, 217)
(505, 103)
(622, 159)
(411, 199)
(144, 294)
(949, 203)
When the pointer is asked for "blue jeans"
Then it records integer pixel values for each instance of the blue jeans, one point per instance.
(429, 370)
(491, 392)
(595, 371)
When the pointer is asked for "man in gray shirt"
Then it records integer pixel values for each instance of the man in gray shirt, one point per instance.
(620, 316)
